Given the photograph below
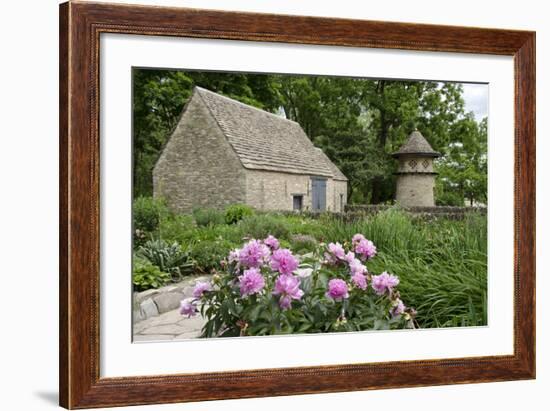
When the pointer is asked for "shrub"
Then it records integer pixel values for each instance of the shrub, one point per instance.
(265, 291)
(208, 217)
(148, 212)
(236, 212)
(260, 226)
(177, 228)
(208, 254)
(146, 275)
(169, 258)
(303, 243)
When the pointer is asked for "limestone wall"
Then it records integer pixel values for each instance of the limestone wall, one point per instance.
(267, 190)
(415, 190)
(198, 167)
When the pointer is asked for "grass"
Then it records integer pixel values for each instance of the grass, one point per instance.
(442, 264)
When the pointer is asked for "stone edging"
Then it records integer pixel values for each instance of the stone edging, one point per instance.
(153, 302)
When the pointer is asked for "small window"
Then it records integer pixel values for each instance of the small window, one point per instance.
(341, 203)
(297, 202)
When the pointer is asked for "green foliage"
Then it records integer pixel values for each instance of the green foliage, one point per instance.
(442, 263)
(236, 212)
(357, 122)
(303, 243)
(146, 275)
(176, 228)
(260, 226)
(208, 217)
(229, 314)
(463, 168)
(169, 258)
(208, 254)
(148, 212)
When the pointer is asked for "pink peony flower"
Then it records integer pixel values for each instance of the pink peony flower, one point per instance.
(337, 289)
(384, 283)
(187, 307)
(253, 254)
(398, 308)
(365, 248)
(359, 280)
(271, 242)
(288, 287)
(200, 288)
(251, 282)
(283, 261)
(349, 257)
(357, 238)
(356, 267)
(335, 253)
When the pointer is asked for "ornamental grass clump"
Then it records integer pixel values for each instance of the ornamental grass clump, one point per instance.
(266, 289)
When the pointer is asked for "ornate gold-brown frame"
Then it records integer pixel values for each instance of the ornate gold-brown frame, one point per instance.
(80, 27)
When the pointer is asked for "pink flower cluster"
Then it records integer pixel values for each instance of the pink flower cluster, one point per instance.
(283, 261)
(365, 248)
(251, 282)
(262, 263)
(288, 288)
(253, 254)
(337, 289)
(335, 253)
(384, 283)
(266, 254)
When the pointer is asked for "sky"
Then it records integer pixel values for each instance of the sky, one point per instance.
(476, 98)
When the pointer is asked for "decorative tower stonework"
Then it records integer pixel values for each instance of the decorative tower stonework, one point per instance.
(415, 174)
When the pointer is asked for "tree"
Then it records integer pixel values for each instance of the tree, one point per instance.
(159, 98)
(463, 167)
(357, 122)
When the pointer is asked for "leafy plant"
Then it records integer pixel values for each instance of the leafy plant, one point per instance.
(236, 212)
(264, 292)
(208, 254)
(208, 217)
(169, 258)
(147, 214)
(260, 226)
(146, 275)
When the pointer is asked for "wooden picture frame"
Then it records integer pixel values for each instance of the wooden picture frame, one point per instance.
(80, 27)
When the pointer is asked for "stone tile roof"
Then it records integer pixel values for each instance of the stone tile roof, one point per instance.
(266, 141)
(416, 144)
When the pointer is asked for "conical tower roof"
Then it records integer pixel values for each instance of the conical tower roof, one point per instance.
(416, 144)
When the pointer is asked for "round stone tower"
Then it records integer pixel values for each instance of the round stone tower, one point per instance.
(415, 175)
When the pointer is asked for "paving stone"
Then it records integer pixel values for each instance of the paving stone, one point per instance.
(149, 308)
(152, 337)
(144, 295)
(188, 335)
(138, 316)
(168, 301)
(170, 317)
(191, 324)
(139, 326)
(171, 329)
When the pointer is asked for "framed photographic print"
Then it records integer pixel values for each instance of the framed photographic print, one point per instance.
(257, 205)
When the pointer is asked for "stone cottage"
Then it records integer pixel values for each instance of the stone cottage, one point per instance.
(415, 173)
(224, 152)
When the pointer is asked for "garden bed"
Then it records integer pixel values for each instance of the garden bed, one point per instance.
(441, 262)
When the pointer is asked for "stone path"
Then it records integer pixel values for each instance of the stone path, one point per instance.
(168, 326)
(156, 313)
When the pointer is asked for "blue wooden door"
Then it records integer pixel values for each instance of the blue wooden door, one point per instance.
(318, 194)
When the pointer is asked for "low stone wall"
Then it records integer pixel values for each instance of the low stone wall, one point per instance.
(154, 302)
(374, 208)
(358, 211)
